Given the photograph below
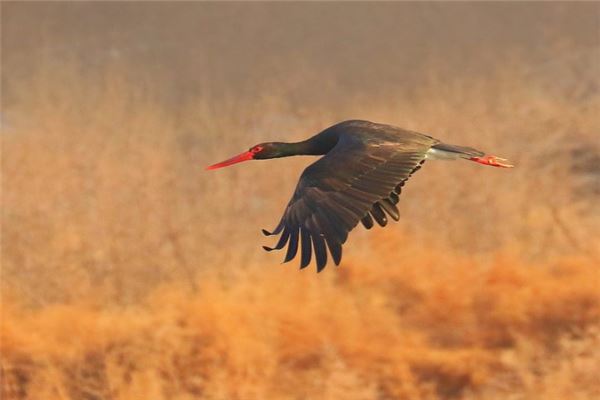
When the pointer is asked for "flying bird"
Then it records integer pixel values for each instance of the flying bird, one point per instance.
(358, 179)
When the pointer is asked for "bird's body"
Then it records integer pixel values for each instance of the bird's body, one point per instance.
(360, 178)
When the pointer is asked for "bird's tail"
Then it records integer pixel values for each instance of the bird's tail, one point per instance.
(444, 151)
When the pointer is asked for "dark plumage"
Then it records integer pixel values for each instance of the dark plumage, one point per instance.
(359, 179)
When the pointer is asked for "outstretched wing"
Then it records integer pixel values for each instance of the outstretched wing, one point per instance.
(358, 179)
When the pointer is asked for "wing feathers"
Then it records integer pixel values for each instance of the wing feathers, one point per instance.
(333, 238)
(367, 221)
(355, 182)
(282, 241)
(379, 215)
(306, 248)
(390, 208)
(320, 251)
(293, 247)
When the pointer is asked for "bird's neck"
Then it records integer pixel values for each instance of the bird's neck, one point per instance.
(315, 146)
(304, 148)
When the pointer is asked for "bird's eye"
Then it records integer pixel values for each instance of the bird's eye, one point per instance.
(256, 149)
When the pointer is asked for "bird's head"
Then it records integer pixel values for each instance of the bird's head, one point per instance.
(260, 151)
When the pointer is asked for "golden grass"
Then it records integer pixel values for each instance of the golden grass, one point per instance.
(417, 331)
(129, 272)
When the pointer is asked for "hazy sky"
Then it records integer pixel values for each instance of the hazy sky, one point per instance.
(185, 47)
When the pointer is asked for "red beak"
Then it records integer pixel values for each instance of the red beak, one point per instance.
(245, 156)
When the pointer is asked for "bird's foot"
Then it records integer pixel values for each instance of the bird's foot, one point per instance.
(493, 161)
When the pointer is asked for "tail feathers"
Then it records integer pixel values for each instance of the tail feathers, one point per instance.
(457, 151)
(443, 151)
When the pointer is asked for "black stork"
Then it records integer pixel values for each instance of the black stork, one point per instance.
(360, 177)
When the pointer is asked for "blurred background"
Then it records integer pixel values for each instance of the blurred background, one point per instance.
(128, 271)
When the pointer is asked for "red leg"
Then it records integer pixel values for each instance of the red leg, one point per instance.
(492, 160)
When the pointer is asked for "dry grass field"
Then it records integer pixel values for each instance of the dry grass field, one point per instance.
(130, 272)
